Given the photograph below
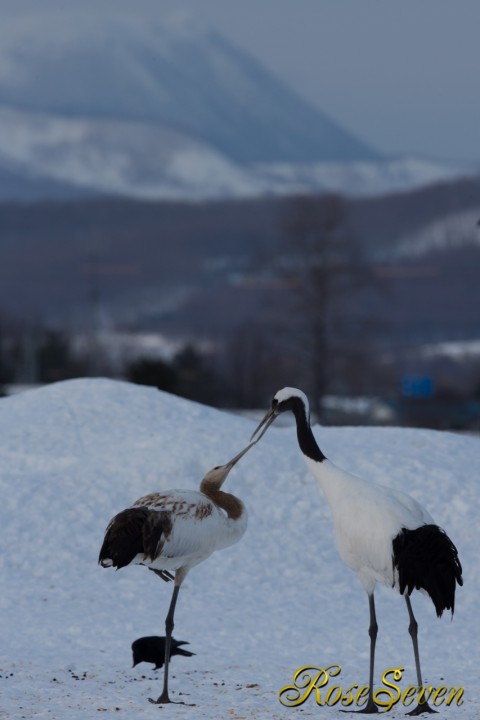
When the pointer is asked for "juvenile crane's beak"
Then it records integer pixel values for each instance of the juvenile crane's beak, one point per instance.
(228, 466)
(268, 419)
(217, 475)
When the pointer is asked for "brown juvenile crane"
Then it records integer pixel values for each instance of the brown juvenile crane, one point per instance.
(172, 531)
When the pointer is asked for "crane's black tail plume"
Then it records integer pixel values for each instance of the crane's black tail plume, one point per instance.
(135, 531)
(426, 559)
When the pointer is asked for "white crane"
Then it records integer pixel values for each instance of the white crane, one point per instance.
(172, 531)
(382, 534)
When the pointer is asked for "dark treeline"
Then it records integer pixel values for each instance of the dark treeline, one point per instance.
(49, 251)
(306, 291)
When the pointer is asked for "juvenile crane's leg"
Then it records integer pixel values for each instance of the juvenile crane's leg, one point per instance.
(413, 630)
(168, 637)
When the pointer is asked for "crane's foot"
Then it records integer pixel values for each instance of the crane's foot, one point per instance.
(160, 700)
(422, 708)
(164, 700)
(370, 707)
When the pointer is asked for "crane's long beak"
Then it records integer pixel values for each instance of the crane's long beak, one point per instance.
(269, 417)
(228, 466)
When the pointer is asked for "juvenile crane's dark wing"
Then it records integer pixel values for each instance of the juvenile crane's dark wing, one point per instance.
(135, 531)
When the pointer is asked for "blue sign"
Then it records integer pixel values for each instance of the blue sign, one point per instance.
(418, 387)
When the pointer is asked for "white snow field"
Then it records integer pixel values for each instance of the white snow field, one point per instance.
(75, 453)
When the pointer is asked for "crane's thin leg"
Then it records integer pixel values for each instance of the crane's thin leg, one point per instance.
(370, 707)
(168, 636)
(413, 630)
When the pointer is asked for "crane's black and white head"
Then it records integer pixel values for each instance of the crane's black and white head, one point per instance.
(286, 399)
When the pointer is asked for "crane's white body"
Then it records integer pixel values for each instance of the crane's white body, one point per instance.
(382, 534)
(367, 517)
(199, 528)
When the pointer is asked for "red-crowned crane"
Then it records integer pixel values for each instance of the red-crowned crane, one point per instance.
(172, 531)
(382, 534)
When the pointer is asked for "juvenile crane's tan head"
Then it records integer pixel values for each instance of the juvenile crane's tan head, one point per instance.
(215, 477)
(213, 481)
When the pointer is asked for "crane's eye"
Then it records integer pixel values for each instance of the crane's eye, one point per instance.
(274, 403)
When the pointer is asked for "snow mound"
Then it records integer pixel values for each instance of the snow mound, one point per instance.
(75, 453)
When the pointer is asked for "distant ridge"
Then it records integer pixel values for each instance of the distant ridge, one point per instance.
(174, 73)
(116, 104)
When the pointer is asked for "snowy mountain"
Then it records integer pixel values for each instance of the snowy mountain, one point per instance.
(45, 155)
(118, 104)
(176, 74)
(75, 453)
(456, 231)
(19, 182)
(114, 157)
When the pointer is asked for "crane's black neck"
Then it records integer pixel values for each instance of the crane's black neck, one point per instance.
(306, 439)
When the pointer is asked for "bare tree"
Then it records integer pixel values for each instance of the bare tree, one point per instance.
(327, 271)
(256, 362)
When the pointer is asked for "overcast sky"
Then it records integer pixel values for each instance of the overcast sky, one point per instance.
(404, 76)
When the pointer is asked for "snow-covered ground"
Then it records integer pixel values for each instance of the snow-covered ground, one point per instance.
(75, 453)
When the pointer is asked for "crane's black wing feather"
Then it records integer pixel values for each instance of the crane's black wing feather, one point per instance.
(135, 531)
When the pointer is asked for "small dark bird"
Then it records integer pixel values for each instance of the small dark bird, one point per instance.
(152, 649)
